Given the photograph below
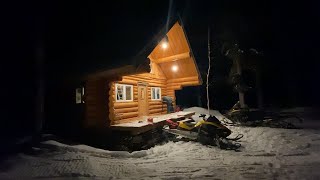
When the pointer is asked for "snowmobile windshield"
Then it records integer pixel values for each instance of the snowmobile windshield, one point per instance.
(213, 119)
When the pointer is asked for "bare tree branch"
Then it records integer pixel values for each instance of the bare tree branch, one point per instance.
(209, 67)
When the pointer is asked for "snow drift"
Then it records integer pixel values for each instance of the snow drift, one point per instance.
(266, 153)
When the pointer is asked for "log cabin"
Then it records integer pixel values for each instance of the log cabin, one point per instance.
(128, 93)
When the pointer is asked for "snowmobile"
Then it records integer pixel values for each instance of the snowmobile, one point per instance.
(208, 131)
(256, 118)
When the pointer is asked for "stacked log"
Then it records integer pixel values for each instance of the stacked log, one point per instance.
(124, 111)
(128, 111)
(96, 103)
(178, 84)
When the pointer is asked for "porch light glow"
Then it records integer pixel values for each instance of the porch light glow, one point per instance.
(174, 68)
(164, 45)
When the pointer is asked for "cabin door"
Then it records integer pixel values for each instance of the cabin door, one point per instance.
(142, 100)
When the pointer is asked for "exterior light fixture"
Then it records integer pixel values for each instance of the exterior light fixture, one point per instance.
(174, 68)
(165, 43)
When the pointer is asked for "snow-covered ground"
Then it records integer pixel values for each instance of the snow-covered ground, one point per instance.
(266, 154)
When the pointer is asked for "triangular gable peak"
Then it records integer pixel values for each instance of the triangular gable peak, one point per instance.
(171, 58)
(135, 90)
(174, 56)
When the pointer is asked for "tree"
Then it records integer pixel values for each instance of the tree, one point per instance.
(208, 73)
(244, 60)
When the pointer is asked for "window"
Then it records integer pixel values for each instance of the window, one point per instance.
(79, 95)
(155, 93)
(124, 92)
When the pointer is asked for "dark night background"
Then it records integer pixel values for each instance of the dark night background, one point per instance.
(71, 38)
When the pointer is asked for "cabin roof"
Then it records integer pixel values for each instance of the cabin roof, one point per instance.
(134, 61)
(139, 63)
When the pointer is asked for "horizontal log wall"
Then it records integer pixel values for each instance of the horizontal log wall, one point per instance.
(127, 111)
(96, 103)
(102, 108)
(179, 83)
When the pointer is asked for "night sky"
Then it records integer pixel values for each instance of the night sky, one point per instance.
(73, 38)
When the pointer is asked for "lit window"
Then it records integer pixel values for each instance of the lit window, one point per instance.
(124, 92)
(155, 93)
(80, 95)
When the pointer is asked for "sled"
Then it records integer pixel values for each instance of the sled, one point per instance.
(208, 131)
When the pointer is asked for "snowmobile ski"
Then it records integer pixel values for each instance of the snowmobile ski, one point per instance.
(238, 137)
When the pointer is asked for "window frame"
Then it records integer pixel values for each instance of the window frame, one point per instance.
(153, 98)
(80, 95)
(124, 92)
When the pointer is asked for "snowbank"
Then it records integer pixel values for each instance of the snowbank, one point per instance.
(89, 149)
(266, 154)
(310, 116)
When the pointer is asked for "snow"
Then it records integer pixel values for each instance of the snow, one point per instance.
(89, 149)
(156, 119)
(266, 153)
(310, 116)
